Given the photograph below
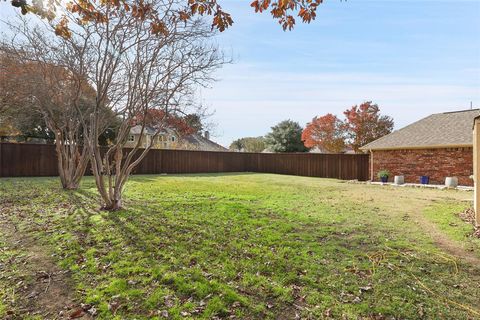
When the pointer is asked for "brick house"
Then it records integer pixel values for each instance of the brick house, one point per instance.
(438, 146)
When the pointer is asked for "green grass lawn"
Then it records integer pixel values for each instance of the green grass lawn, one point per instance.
(247, 246)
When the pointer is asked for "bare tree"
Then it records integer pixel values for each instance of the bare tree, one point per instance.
(136, 65)
(36, 81)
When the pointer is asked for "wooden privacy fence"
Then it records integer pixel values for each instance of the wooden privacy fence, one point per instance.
(20, 160)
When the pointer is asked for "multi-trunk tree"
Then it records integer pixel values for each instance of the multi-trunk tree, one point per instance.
(137, 64)
(137, 58)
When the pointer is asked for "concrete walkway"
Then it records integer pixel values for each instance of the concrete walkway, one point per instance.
(418, 185)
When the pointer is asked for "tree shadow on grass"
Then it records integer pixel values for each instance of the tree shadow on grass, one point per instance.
(84, 205)
(151, 233)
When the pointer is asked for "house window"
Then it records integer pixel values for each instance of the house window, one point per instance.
(173, 139)
(131, 138)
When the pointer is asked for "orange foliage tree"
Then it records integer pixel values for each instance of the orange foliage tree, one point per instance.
(364, 124)
(326, 133)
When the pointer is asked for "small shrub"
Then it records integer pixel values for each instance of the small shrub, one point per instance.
(383, 173)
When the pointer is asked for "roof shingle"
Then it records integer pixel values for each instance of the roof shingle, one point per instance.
(203, 143)
(449, 129)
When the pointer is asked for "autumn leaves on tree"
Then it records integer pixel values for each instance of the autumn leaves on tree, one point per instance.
(362, 124)
(284, 11)
(326, 133)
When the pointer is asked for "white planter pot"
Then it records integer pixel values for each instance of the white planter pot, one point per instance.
(399, 180)
(451, 182)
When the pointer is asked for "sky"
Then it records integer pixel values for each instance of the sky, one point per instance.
(411, 57)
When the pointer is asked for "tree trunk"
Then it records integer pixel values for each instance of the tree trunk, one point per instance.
(72, 163)
(70, 185)
(111, 173)
(114, 205)
(109, 183)
(112, 197)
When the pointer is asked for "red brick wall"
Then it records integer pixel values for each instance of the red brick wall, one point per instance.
(435, 163)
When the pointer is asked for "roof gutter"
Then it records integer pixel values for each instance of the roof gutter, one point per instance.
(420, 147)
(475, 120)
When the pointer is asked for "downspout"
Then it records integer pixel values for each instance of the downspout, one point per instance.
(476, 170)
(371, 165)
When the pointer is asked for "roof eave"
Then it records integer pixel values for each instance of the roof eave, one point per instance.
(444, 146)
(475, 120)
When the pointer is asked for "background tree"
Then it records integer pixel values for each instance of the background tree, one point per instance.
(285, 137)
(159, 118)
(195, 122)
(37, 87)
(107, 137)
(365, 124)
(326, 133)
(25, 123)
(236, 145)
(248, 144)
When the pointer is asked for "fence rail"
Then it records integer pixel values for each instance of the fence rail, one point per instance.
(21, 160)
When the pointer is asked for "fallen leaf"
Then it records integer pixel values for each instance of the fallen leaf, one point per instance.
(164, 313)
(77, 314)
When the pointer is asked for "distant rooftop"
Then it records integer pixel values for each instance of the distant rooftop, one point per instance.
(149, 130)
(195, 140)
(440, 130)
(204, 143)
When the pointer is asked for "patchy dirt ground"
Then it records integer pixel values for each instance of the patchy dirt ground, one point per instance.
(444, 242)
(413, 210)
(39, 288)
